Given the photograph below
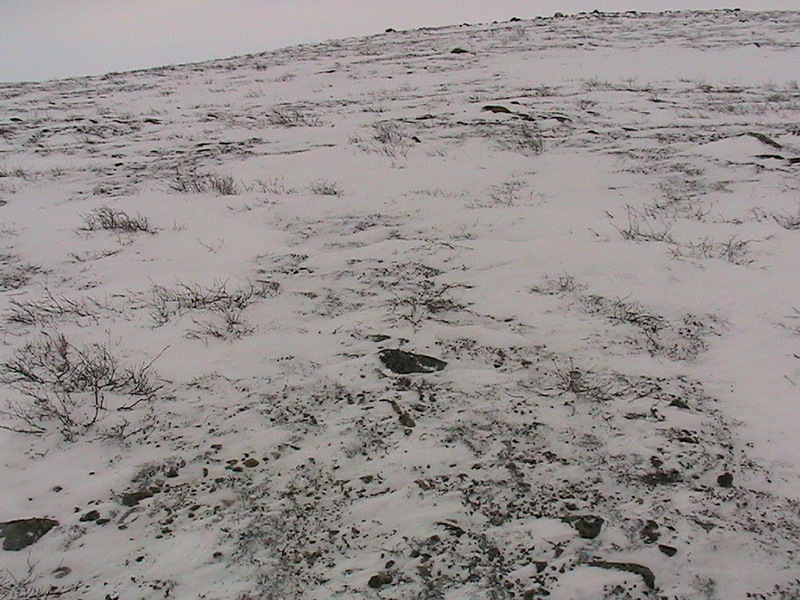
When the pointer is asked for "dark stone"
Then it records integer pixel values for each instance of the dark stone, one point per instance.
(403, 363)
(390, 30)
(133, 498)
(588, 526)
(725, 480)
(650, 533)
(172, 472)
(662, 477)
(92, 515)
(668, 550)
(380, 580)
(250, 462)
(645, 573)
(514, 20)
(22, 533)
(377, 337)
(459, 51)
(406, 420)
(497, 109)
(764, 139)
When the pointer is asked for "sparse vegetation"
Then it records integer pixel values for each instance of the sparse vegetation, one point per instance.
(196, 183)
(224, 306)
(322, 187)
(642, 229)
(69, 385)
(106, 218)
(14, 273)
(390, 138)
(788, 220)
(51, 308)
(524, 137)
(733, 250)
(292, 116)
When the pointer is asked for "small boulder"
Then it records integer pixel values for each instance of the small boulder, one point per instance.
(725, 480)
(588, 526)
(22, 533)
(459, 51)
(403, 363)
(668, 550)
(92, 515)
(493, 108)
(645, 573)
(650, 533)
(380, 580)
(133, 498)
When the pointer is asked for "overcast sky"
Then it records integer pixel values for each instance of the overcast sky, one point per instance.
(44, 39)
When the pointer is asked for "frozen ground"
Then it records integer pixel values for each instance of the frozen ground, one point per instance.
(594, 221)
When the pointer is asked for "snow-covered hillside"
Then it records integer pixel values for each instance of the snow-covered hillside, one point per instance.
(498, 311)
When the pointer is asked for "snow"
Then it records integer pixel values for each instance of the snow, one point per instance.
(609, 270)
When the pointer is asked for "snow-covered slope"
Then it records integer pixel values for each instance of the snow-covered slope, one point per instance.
(589, 229)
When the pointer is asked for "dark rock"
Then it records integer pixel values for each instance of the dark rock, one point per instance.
(650, 532)
(662, 477)
(133, 498)
(406, 420)
(678, 403)
(668, 550)
(403, 363)
(725, 480)
(540, 565)
(645, 573)
(390, 30)
(380, 580)
(497, 109)
(588, 526)
(172, 472)
(764, 139)
(514, 20)
(92, 515)
(377, 337)
(22, 533)
(459, 51)
(250, 462)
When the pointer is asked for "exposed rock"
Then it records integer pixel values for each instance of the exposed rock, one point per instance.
(379, 580)
(403, 363)
(650, 532)
(406, 420)
(588, 526)
(133, 498)
(22, 533)
(250, 462)
(645, 573)
(662, 477)
(725, 480)
(92, 515)
(497, 109)
(764, 139)
(668, 550)
(459, 51)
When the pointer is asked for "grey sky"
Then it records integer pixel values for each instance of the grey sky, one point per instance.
(43, 39)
